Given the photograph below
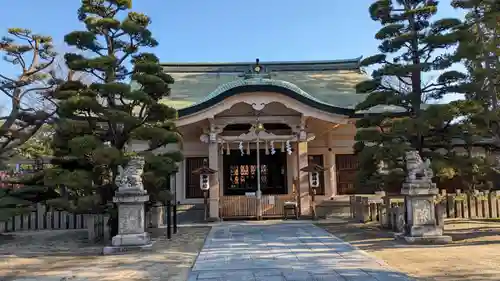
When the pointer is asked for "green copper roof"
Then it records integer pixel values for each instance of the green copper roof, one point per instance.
(258, 81)
(330, 82)
(262, 85)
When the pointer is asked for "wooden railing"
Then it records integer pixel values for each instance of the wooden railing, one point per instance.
(246, 206)
(43, 219)
(389, 210)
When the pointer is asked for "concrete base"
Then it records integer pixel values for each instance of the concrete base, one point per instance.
(116, 250)
(124, 240)
(431, 239)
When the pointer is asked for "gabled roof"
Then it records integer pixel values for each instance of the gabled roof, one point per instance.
(330, 82)
(262, 85)
(328, 85)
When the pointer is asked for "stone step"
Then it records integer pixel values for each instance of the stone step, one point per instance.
(192, 213)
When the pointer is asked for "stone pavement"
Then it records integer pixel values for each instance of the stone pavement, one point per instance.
(285, 252)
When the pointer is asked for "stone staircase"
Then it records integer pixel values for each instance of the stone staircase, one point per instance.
(335, 207)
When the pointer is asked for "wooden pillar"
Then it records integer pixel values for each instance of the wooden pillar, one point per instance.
(303, 180)
(297, 179)
(330, 174)
(213, 163)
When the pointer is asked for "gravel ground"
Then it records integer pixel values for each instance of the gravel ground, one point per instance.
(65, 255)
(473, 255)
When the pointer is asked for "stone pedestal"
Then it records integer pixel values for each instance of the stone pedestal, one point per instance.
(130, 198)
(421, 225)
(157, 215)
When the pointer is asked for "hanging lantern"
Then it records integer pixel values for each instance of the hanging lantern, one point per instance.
(227, 149)
(267, 149)
(222, 148)
(273, 151)
(248, 148)
(314, 179)
(204, 172)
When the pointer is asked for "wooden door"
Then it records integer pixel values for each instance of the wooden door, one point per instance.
(347, 166)
(193, 181)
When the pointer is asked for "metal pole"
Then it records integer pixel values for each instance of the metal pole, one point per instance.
(259, 195)
(175, 203)
(205, 203)
(175, 217)
(169, 219)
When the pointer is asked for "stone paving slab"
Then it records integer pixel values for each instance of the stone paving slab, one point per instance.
(284, 252)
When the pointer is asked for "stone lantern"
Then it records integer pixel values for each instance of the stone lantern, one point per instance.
(420, 191)
(205, 173)
(314, 171)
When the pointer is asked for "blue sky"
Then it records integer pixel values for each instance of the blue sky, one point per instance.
(228, 30)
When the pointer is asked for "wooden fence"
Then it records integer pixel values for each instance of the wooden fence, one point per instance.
(43, 219)
(389, 210)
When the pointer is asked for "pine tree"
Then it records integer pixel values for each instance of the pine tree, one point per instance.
(411, 46)
(97, 121)
(32, 54)
(23, 193)
(480, 52)
(39, 145)
(479, 120)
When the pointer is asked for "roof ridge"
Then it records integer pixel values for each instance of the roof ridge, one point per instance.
(353, 60)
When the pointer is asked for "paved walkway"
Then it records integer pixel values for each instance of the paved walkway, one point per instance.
(285, 252)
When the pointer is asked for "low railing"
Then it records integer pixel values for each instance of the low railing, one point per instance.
(390, 210)
(238, 206)
(43, 219)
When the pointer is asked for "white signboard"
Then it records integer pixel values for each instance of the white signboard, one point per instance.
(250, 194)
(271, 200)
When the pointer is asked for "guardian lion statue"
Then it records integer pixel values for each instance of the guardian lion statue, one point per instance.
(130, 177)
(418, 170)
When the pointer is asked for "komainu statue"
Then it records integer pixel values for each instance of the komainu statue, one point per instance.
(130, 177)
(418, 170)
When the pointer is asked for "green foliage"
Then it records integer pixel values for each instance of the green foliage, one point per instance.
(410, 46)
(479, 51)
(157, 174)
(479, 115)
(38, 145)
(98, 120)
(26, 191)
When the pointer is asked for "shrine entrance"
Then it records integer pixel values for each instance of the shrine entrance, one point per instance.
(240, 173)
(254, 170)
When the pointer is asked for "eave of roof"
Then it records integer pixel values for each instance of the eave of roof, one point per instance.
(271, 66)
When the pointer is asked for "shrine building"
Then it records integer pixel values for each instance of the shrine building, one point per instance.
(297, 112)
